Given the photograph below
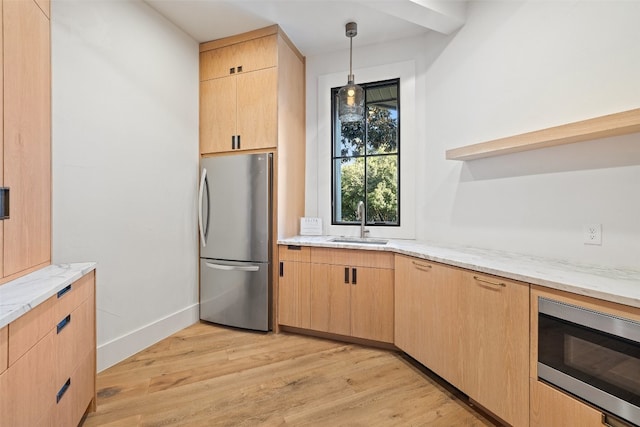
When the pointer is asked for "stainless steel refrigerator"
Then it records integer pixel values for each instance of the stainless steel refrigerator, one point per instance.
(235, 240)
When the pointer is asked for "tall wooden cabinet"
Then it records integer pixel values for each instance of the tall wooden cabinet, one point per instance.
(252, 99)
(26, 141)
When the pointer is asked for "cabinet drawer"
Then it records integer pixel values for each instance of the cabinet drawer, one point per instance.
(552, 408)
(78, 393)
(352, 258)
(74, 339)
(28, 329)
(69, 298)
(251, 55)
(28, 387)
(294, 253)
(4, 349)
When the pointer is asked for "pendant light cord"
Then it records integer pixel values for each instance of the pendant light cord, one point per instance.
(350, 57)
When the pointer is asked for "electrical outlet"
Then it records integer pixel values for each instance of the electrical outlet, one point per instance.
(592, 234)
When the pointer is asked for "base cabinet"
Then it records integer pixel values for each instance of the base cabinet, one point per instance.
(50, 380)
(343, 292)
(553, 408)
(470, 329)
(294, 288)
(428, 319)
(496, 345)
(352, 293)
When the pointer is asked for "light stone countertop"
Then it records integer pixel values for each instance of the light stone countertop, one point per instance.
(21, 295)
(610, 284)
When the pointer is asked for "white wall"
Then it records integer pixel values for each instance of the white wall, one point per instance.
(125, 165)
(515, 67)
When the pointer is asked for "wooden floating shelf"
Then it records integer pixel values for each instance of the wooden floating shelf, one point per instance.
(600, 127)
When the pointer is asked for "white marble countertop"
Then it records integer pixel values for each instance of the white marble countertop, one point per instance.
(21, 295)
(610, 284)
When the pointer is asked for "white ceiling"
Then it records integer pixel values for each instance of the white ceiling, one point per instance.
(314, 26)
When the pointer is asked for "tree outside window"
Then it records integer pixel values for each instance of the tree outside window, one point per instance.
(366, 158)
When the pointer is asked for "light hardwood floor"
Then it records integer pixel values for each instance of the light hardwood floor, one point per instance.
(207, 375)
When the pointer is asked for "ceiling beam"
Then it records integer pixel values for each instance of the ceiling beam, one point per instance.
(443, 16)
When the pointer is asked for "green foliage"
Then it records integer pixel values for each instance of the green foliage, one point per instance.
(382, 169)
(382, 133)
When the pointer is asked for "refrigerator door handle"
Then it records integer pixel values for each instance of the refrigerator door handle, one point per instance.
(204, 230)
(233, 267)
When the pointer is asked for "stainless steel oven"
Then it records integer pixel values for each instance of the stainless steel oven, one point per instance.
(593, 355)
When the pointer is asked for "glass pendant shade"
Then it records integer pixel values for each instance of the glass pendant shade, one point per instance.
(351, 96)
(350, 103)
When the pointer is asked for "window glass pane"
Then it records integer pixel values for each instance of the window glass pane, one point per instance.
(349, 139)
(349, 188)
(382, 189)
(382, 119)
(365, 158)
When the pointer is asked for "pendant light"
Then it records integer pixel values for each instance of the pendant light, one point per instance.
(351, 96)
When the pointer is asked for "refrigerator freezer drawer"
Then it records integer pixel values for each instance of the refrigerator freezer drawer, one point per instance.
(235, 293)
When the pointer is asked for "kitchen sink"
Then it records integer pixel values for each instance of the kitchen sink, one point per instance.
(359, 240)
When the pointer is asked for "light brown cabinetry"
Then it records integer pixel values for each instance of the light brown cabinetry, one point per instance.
(240, 55)
(553, 408)
(239, 112)
(352, 293)
(239, 96)
(4, 349)
(294, 297)
(469, 328)
(50, 379)
(496, 345)
(428, 316)
(26, 147)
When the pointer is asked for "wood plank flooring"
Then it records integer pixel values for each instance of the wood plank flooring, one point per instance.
(207, 375)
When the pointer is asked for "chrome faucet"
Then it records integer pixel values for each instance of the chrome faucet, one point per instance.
(360, 214)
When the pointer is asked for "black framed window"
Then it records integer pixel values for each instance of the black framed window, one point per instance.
(365, 161)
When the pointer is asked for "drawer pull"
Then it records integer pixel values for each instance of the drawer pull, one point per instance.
(63, 390)
(294, 247)
(422, 267)
(63, 323)
(64, 291)
(488, 282)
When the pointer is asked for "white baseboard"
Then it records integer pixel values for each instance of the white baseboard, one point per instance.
(129, 344)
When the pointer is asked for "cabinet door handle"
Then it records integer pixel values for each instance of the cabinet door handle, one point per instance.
(421, 267)
(238, 144)
(354, 276)
(63, 323)
(239, 68)
(232, 70)
(64, 291)
(346, 275)
(63, 390)
(488, 282)
(233, 142)
(281, 269)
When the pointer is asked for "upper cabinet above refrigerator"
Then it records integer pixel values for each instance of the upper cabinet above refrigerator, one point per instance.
(244, 80)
